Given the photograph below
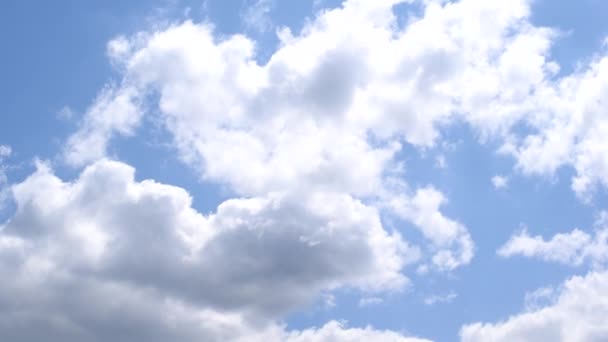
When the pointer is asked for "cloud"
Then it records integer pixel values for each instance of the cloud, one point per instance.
(369, 301)
(568, 129)
(334, 331)
(307, 142)
(106, 257)
(540, 298)
(328, 112)
(5, 152)
(115, 111)
(577, 314)
(438, 299)
(573, 248)
(256, 15)
(500, 182)
(352, 72)
(451, 243)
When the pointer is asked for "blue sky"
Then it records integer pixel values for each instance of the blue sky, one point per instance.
(340, 175)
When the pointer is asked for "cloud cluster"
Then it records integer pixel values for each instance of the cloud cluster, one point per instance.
(450, 241)
(572, 248)
(307, 142)
(5, 152)
(569, 127)
(109, 258)
(335, 102)
(577, 314)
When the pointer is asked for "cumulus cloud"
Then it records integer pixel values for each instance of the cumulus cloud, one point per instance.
(327, 112)
(577, 314)
(106, 257)
(334, 331)
(569, 129)
(572, 248)
(5, 151)
(307, 142)
(451, 243)
(147, 233)
(354, 71)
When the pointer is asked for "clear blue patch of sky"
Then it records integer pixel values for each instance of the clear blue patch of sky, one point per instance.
(583, 25)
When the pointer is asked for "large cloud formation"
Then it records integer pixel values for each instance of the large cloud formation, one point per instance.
(333, 104)
(577, 314)
(572, 248)
(108, 258)
(307, 141)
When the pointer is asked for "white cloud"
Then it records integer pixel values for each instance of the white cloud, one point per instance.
(304, 121)
(569, 129)
(106, 257)
(256, 15)
(334, 331)
(308, 140)
(440, 162)
(369, 301)
(451, 243)
(318, 127)
(577, 314)
(5, 151)
(573, 248)
(308, 85)
(450, 63)
(440, 299)
(500, 182)
(540, 298)
(115, 111)
(567, 248)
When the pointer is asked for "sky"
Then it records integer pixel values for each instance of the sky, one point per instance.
(268, 170)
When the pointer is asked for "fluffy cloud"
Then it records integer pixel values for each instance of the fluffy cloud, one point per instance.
(577, 314)
(265, 254)
(327, 112)
(115, 111)
(572, 248)
(109, 258)
(451, 243)
(569, 129)
(335, 331)
(334, 102)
